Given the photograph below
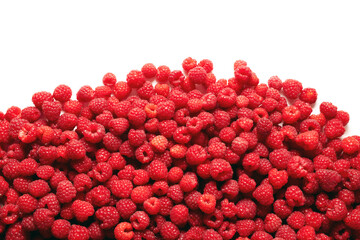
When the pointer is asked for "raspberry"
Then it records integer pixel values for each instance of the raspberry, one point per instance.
(51, 202)
(334, 128)
(290, 114)
(272, 223)
(109, 79)
(206, 203)
(75, 149)
(245, 227)
(60, 228)
(211, 234)
(51, 110)
(308, 95)
(9, 214)
(62, 93)
(39, 98)
(264, 194)
(43, 218)
(195, 155)
(336, 210)
(39, 188)
(162, 74)
(121, 90)
(328, 109)
(140, 193)
(306, 232)
(82, 210)
(169, 231)
(78, 232)
(294, 196)
(179, 215)
(220, 169)
(328, 179)
(296, 220)
(246, 184)
(292, 88)
(239, 145)
(135, 79)
(278, 178)
(65, 191)
(188, 64)
(31, 114)
(108, 217)
(251, 162)
(350, 145)
(123, 231)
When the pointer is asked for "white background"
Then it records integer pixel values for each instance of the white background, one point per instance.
(47, 43)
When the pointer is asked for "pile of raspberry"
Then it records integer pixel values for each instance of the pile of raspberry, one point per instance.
(170, 154)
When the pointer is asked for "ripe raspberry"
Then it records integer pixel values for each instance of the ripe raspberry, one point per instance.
(188, 64)
(296, 220)
(135, 79)
(78, 232)
(109, 79)
(82, 210)
(39, 98)
(272, 222)
(62, 93)
(245, 227)
(294, 196)
(328, 179)
(251, 162)
(292, 88)
(179, 215)
(65, 191)
(206, 203)
(140, 193)
(350, 145)
(9, 214)
(60, 228)
(188, 182)
(195, 155)
(31, 114)
(39, 188)
(306, 232)
(220, 169)
(308, 95)
(43, 218)
(51, 110)
(264, 194)
(169, 231)
(51, 202)
(278, 178)
(108, 217)
(336, 210)
(246, 184)
(163, 73)
(242, 73)
(334, 128)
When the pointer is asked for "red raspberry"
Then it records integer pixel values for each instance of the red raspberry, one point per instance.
(188, 64)
(9, 214)
(328, 109)
(308, 95)
(352, 219)
(343, 117)
(62, 93)
(162, 74)
(292, 88)
(298, 167)
(31, 114)
(239, 145)
(78, 232)
(60, 228)
(296, 220)
(246, 184)
(306, 232)
(51, 202)
(39, 188)
(121, 188)
(179, 215)
(264, 194)
(336, 210)
(350, 145)
(220, 169)
(242, 73)
(195, 155)
(278, 178)
(149, 70)
(82, 210)
(334, 128)
(294, 196)
(290, 114)
(206, 203)
(135, 79)
(140, 193)
(245, 227)
(108, 217)
(65, 191)
(121, 90)
(272, 222)
(188, 182)
(308, 140)
(328, 179)
(169, 231)
(206, 64)
(51, 110)
(39, 98)
(43, 218)
(109, 79)
(251, 162)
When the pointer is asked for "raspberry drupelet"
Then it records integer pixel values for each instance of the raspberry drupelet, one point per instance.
(184, 157)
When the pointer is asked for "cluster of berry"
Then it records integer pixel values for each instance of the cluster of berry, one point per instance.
(190, 157)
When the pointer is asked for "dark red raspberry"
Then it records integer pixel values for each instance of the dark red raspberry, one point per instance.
(78, 232)
(60, 228)
(169, 231)
(108, 217)
(65, 191)
(82, 210)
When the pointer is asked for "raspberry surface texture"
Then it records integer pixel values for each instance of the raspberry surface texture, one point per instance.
(179, 154)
